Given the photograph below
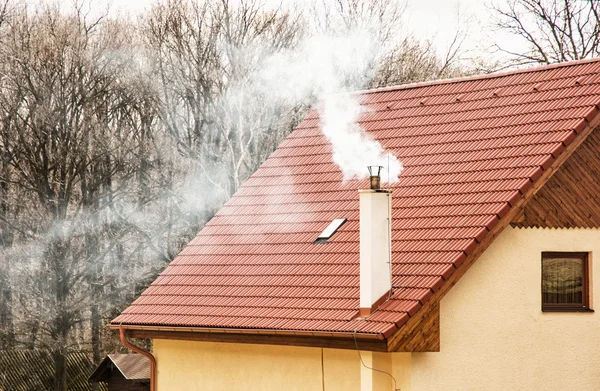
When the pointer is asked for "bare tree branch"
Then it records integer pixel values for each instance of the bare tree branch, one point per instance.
(555, 31)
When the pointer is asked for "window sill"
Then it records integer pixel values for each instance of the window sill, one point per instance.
(566, 309)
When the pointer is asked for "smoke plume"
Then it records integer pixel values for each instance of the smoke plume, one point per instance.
(325, 69)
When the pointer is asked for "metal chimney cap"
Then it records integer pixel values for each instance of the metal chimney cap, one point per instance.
(375, 179)
(374, 170)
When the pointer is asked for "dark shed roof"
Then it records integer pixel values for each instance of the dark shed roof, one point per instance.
(132, 366)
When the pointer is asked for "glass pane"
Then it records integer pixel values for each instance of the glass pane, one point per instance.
(332, 228)
(562, 280)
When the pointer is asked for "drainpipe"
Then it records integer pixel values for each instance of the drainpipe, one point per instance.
(126, 343)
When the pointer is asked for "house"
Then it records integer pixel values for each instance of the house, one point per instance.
(494, 241)
(33, 370)
(123, 372)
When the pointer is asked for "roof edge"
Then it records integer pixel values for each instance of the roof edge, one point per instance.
(223, 330)
(491, 75)
(335, 340)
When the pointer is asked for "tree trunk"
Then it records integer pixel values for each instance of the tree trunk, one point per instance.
(57, 257)
(90, 204)
(7, 330)
(60, 370)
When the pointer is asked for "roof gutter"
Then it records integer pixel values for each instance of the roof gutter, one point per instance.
(126, 343)
(217, 330)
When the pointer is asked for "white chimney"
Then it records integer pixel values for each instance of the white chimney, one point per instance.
(375, 245)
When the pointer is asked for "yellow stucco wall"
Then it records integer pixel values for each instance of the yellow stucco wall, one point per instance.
(191, 366)
(187, 366)
(494, 335)
(402, 370)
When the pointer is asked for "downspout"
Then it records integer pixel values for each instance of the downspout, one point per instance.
(126, 343)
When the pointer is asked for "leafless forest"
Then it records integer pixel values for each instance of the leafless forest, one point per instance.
(120, 138)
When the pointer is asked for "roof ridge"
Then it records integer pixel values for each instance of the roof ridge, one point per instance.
(476, 77)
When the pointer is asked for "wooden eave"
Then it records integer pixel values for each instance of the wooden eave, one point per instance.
(421, 333)
(339, 340)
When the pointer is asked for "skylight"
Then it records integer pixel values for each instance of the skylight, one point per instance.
(330, 230)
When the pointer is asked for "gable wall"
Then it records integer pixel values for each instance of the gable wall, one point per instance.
(493, 333)
(571, 198)
(195, 366)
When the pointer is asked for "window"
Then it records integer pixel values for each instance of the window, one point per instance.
(565, 282)
(329, 231)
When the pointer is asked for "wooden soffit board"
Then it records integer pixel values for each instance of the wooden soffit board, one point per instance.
(346, 342)
(426, 337)
(571, 198)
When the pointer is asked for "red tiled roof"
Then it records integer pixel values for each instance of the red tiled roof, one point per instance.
(471, 147)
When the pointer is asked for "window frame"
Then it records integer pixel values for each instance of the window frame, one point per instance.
(570, 307)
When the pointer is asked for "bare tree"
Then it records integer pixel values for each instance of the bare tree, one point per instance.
(204, 54)
(69, 122)
(399, 57)
(6, 230)
(413, 61)
(553, 31)
(382, 17)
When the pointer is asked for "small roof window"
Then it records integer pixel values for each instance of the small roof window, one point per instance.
(329, 231)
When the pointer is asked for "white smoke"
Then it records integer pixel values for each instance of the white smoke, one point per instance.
(353, 149)
(326, 68)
